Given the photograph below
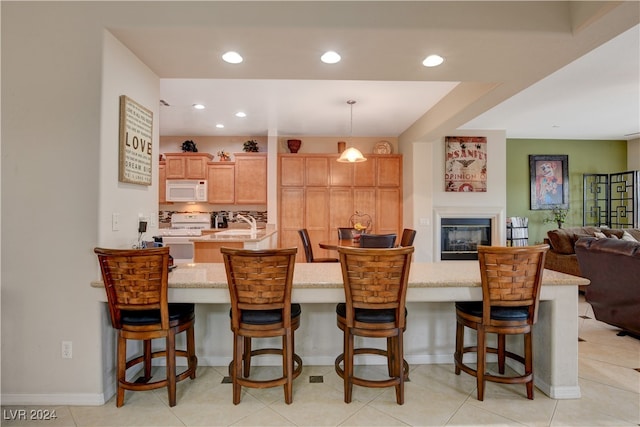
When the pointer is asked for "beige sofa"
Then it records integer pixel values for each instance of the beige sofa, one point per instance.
(562, 255)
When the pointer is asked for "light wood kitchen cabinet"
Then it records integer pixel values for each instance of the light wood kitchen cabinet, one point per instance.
(316, 171)
(320, 194)
(291, 171)
(187, 165)
(364, 173)
(251, 178)
(162, 183)
(221, 182)
(389, 171)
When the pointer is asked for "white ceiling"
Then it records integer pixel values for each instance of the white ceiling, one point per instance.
(565, 70)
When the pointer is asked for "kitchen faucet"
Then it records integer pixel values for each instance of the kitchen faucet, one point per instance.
(251, 221)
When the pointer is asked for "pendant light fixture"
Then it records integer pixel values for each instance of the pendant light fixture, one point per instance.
(351, 154)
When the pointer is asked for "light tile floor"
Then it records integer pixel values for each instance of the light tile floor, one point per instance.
(609, 371)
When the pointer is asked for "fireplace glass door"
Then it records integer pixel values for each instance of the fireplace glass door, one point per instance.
(461, 237)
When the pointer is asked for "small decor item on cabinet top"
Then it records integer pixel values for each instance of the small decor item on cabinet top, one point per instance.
(224, 156)
(294, 145)
(189, 147)
(250, 146)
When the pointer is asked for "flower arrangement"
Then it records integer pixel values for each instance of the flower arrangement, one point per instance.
(558, 215)
(189, 147)
(250, 146)
(224, 156)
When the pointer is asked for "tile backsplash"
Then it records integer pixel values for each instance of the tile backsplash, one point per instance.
(164, 217)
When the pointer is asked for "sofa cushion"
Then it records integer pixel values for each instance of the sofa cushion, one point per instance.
(635, 233)
(628, 237)
(561, 241)
(609, 232)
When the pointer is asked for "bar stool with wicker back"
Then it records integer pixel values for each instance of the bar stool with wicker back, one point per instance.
(137, 292)
(511, 278)
(260, 284)
(375, 286)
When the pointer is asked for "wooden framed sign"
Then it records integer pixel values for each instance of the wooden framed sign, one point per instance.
(466, 163)
(136, 131)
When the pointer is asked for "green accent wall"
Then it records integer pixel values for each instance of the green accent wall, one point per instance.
(585, 156)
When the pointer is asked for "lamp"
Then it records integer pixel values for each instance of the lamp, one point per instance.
(351, 154)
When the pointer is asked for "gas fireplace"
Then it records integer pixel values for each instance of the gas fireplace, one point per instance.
(460, 237)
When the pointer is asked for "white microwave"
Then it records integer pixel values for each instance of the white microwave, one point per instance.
(185, 190)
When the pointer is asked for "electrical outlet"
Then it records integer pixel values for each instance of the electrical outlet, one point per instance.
(142, 226)
(67, 349)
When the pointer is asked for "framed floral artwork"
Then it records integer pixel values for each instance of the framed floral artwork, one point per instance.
(549, 176)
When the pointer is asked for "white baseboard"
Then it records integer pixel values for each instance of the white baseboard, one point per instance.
(56, 399)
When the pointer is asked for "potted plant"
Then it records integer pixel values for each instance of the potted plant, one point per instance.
(224, 156)
(558, 215)
(250, 146)
(189, 147)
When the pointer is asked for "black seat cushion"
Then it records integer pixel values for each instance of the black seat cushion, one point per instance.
(367, 315)
(474, 308)
(267, 317)
(177, 311)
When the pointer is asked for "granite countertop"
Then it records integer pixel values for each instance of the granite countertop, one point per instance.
(245, 236)
(445, 274)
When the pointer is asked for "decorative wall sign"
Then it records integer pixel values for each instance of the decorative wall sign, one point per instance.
(136, 129)
(549, 182)
(466, 163)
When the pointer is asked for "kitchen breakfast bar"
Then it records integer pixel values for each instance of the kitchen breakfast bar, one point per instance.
(430, 336)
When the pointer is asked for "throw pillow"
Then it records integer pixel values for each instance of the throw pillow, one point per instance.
(561, 241)
(628, 237)
(612, 233)
(600, 235)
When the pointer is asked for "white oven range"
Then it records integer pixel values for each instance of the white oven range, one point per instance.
(184, 226)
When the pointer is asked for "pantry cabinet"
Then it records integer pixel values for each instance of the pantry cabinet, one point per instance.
(320, 194)
(187, 165)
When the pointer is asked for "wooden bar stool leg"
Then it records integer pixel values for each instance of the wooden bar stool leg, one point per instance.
(122, 368)
(459, 346)
(147, 360)
(246, 357)
(287, 367)
(398, 368)
(348, 365)
(501, 354)
(482, 357)
(171, 367)
(528, 362)
(237, 363)
(192, 360)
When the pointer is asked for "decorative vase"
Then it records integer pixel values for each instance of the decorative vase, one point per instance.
(294, 145)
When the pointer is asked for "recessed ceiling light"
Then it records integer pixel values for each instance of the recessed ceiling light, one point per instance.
(220, 126)
(330, 57)
(198, 106)
(433, 61)
(241, 114)
(232, 57)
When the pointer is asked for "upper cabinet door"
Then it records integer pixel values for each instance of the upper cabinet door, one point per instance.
(221, 186)
(317, 171)
(341, 174)
(187, 165)
(365, 173)
(251, 179)
(389, 172)
(291, 171)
